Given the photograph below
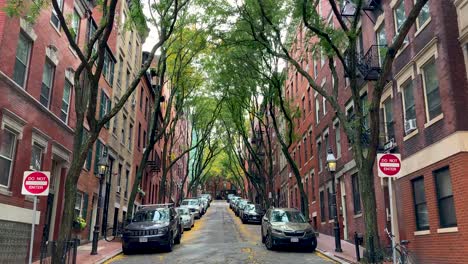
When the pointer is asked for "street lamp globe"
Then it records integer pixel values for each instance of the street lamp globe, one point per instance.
(331, 161)
(102, 166)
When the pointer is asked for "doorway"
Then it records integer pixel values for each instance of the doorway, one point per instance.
(343, 209)
(93, 218)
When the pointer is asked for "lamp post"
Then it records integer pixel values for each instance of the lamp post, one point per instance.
(331, 164)
(102, 172)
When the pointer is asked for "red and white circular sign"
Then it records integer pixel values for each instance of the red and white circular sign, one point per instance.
(389, 165)
(35, 183)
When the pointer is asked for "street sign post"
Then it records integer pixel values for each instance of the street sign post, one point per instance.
(389, 165)
(35, 183)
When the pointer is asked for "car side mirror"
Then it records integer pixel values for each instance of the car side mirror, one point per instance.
(266, 219)
(310, 221)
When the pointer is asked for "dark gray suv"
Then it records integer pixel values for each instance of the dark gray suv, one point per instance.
(153, 226)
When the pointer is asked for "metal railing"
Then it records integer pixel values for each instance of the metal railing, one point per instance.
(369, 64)
(69, 253)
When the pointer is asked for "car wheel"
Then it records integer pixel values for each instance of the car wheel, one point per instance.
(178, 237)
(263, 237)
(126, 250)
(243, 221)
(313, 246)
(269, 242)
(170, 244)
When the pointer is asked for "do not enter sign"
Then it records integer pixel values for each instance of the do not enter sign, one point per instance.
(36, 183)
(389, 165)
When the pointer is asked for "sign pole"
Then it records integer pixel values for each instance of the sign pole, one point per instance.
(392, 221)
(32, 229)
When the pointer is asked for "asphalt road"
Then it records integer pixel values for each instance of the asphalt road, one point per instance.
(220, 237)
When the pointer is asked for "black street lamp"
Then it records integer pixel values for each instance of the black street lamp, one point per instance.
(331, 164)
(102, 167)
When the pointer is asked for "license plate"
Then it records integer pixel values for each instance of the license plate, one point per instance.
(254, 217)
(294, 239)
(143, 239)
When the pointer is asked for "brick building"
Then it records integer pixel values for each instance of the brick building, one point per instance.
(422, 110)
(37, 123)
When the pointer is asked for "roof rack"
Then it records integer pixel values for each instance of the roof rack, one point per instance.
(165, 205)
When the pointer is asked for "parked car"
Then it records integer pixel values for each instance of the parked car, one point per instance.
(188, 219)
(208, 197)
(204, 203)
(194, 206)
(229, 196)
(252, 213)
(232, 201)
(240, 208)
(287, 227)
(156, 225)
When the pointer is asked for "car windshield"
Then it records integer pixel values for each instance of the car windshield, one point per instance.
(251, 207)
(287, 216)
(160, 215)
(183, 211)
(189, 202)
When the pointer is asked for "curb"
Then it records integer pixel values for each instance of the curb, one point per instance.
(110, 256)
(332, 257)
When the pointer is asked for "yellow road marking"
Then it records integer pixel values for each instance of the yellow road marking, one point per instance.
(325, 257)
(115, 258)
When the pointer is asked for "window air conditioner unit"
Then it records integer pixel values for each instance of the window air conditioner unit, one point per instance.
(119, 189)
(410, 125)
(290, 175)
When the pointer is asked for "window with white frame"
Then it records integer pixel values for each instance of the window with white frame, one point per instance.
(305, 148)
(388, 119)
(381, 42)
(319, 153)
(130, 136)
(47, 83)
(23, 54)
(408, 100)
(79, 204)
(424, 16)
(7, 154)
(54, 18)
(119, 73)
(124, 129)
(399, 15)
(317, 109)
(309, 99)
(314, 60)
(431, 89)
(67, 88)
(37, 153)
(75, 25)
(338, 139)
(324, 105)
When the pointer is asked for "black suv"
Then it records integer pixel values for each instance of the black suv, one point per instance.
(154, 226)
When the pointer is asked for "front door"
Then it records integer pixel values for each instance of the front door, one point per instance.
(343, 208)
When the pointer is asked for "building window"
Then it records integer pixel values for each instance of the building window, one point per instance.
(309, 100)
(130, 136)
(139, 136)
(317, 110)
(146, 108)
(108, 68)
(66, 101)
(445, 201)
(356, 194)
(119, 73)
(141, 98)
(431, 88)
(424, 16)
(388, 119)
(381, 42)
(119, 178)
(127, 81)
(78, 204)
(104, 107)
(338, 139)
(124, 128)
(23, 52)
(127, 181)
(365, 111)
(115, 124)
(324, 105)
(420, 204)
(299, 155)
(7, 154)
(54, 18)
(322, 206)
(399, 16)
(330, 202)
(75, 26)
(312, 179)
(320, 159)
(144, 139)
(36, 157)
(303, 109)
(305, 148)
(47, 82)
(408, 101)
(327, 144)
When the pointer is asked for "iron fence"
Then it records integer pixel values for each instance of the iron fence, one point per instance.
(69, 253)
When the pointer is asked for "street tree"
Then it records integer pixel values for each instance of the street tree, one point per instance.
(274, 25)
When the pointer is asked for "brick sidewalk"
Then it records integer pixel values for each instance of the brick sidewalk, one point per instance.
(106, 250)
(326, 244)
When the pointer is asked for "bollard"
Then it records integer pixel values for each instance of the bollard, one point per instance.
(356, 244)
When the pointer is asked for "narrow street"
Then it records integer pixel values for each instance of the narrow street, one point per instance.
(220, 237)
